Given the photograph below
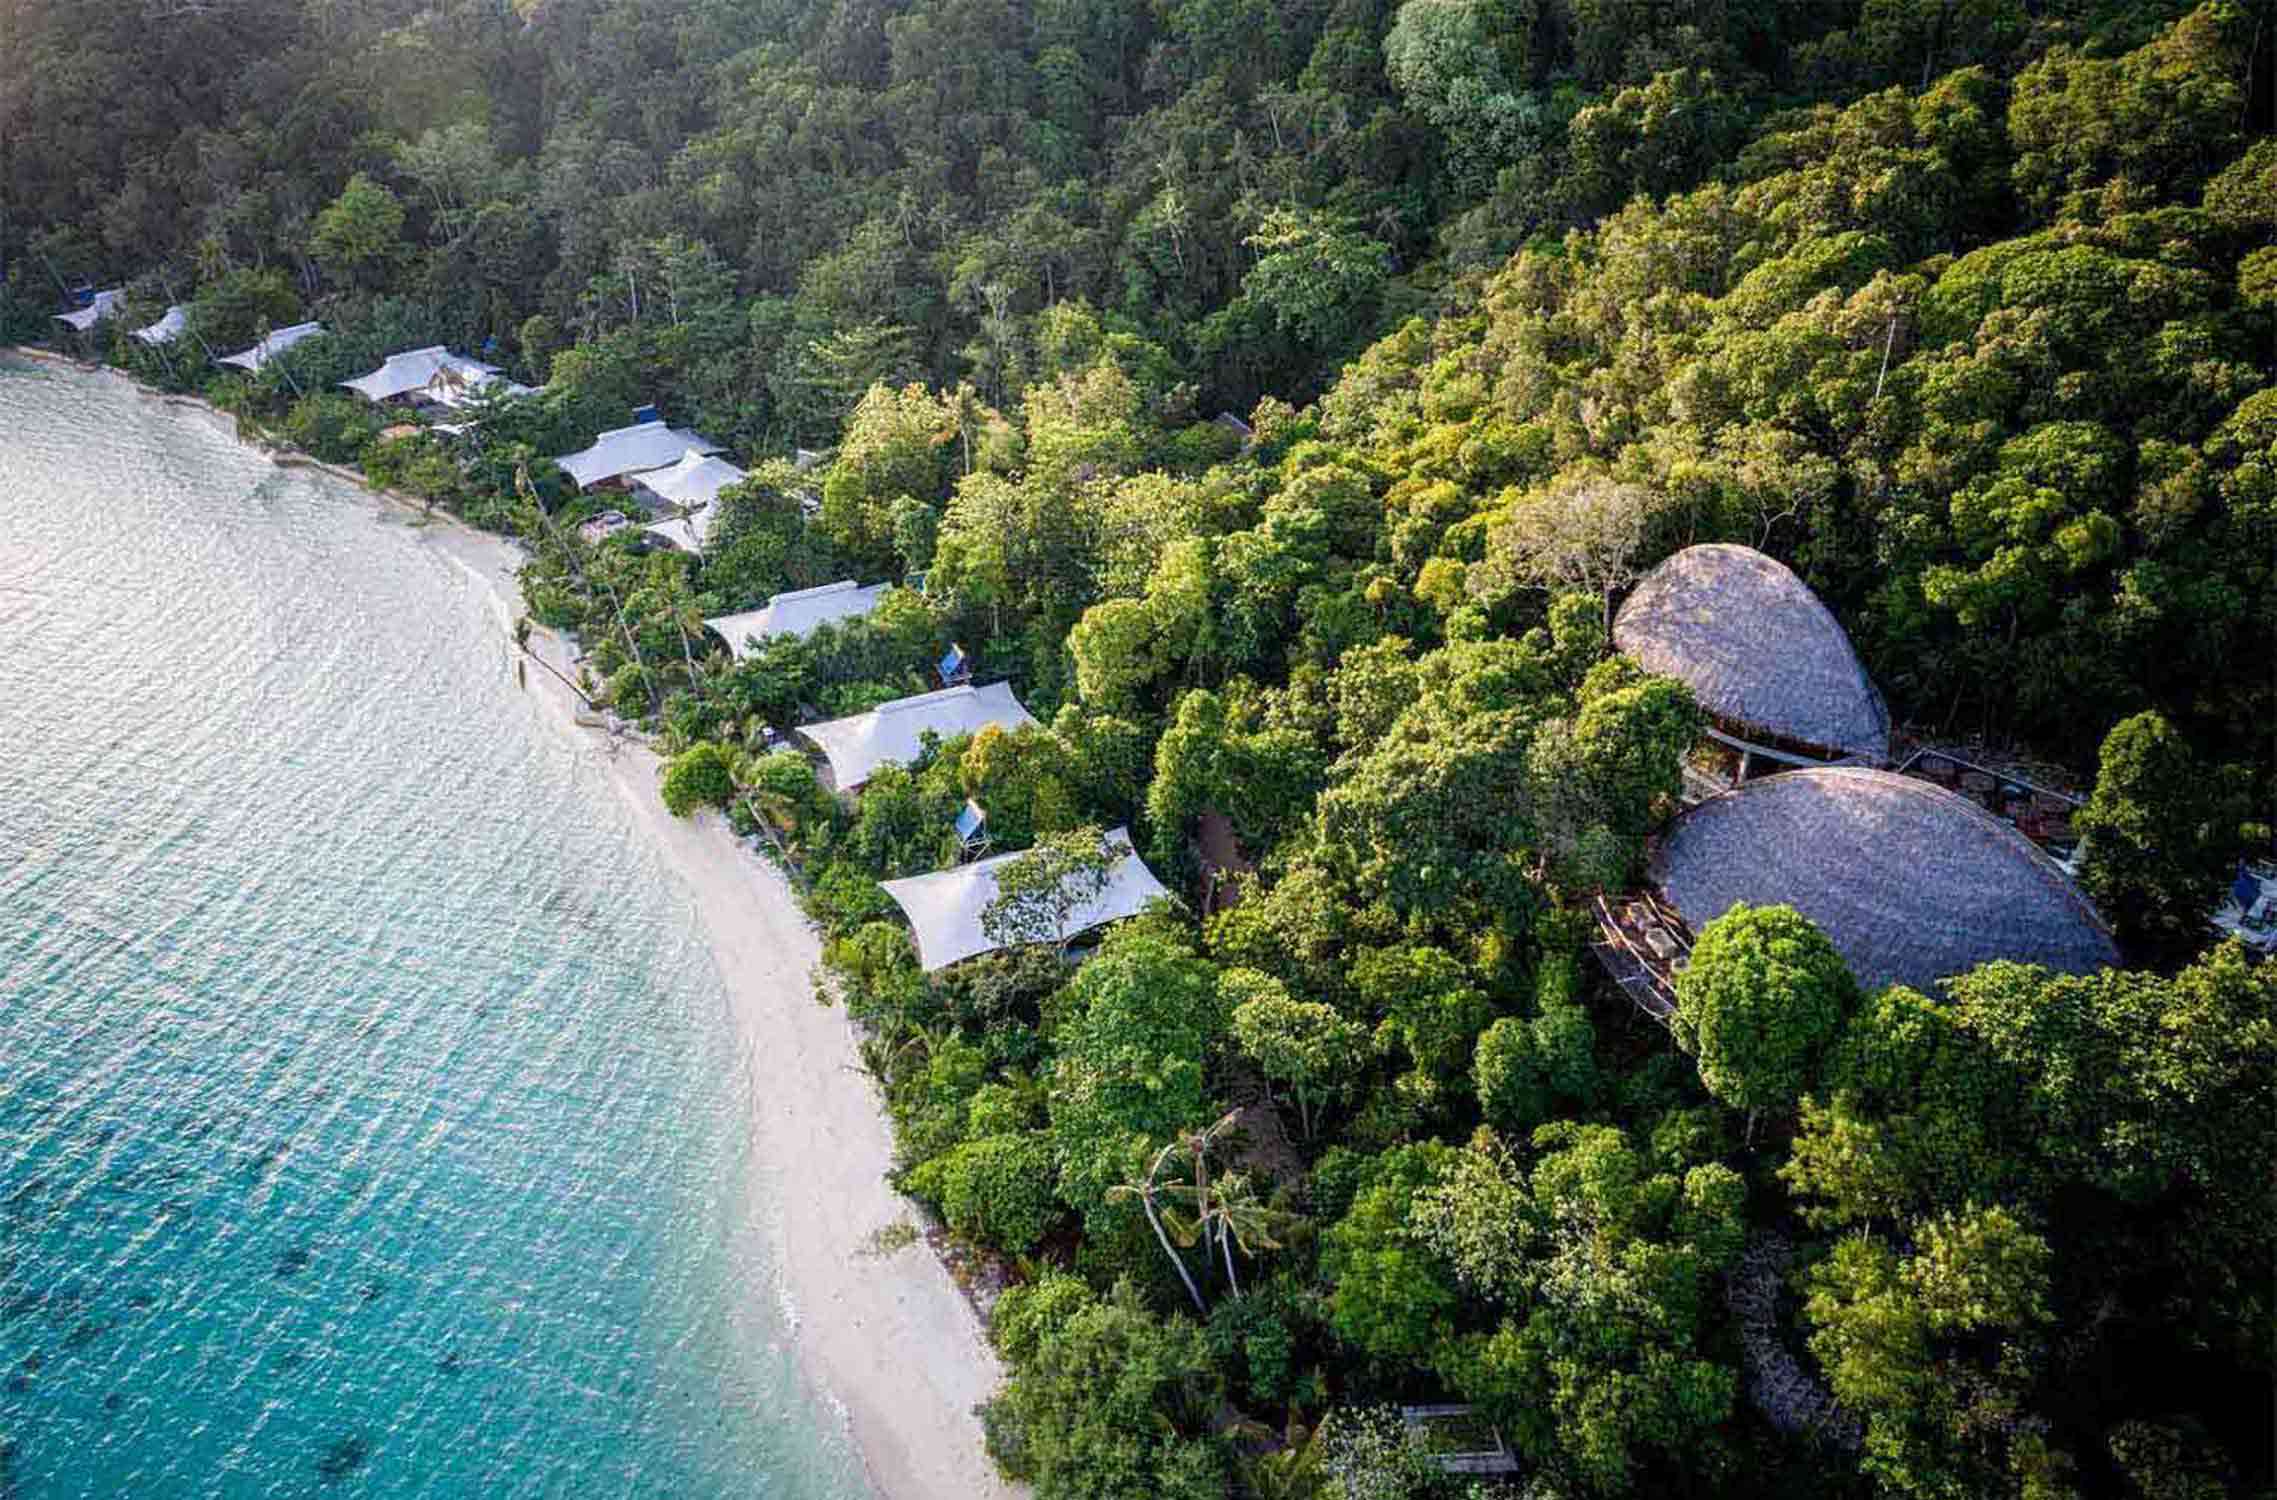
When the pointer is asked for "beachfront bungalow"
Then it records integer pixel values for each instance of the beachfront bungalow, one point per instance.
(1767, 661)
(800, 613)
(694, 484)
(1912, 883)
(632, 450)
(893, 734)
(254, 359)
(99, 306)
(168, 328)
(946, 907)
(433, 375)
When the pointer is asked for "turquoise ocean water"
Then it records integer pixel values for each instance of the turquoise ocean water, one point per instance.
(371, 1122)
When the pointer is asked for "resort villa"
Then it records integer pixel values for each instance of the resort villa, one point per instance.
(893, 734)
(255, 359)
(945, 908)
(169, 327)
(431, 376)
(800, 613)
(631, 450)
(692, 484)
(100, 305)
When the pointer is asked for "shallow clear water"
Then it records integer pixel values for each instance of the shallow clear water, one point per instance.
(370, 1121)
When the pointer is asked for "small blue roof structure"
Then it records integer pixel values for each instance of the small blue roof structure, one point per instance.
(2246, 888)
(954, 666)
(647, 414)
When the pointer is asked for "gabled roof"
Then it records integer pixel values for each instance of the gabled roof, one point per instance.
(945, 908)
(418, 370)
(690, 532)
(695, 480)
(633, 450)
(1758, 649)
(272, 346)
(800, 613)
(104, 305)
(167, 329)
(892, 733)
(1911, 882)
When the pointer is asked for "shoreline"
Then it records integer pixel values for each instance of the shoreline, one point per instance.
(884, 1335)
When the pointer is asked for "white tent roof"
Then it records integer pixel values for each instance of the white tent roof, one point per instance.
(103, 306)
(633, 450)
(695, 480)
(800, 613)
(272, 346)
(945, 908)
(166, 329)
(434, 370)
(688, 532)
(891, 734)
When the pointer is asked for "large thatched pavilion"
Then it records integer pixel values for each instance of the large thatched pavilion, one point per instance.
(1911, 882)
(1768, 662)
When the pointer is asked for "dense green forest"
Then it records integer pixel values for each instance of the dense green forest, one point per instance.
(1965, 309)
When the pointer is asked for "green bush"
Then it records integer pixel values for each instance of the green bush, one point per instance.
(996, 1190)
(697, 777)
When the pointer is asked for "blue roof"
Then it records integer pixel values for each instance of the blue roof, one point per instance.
(2246, 889)
(970, 819)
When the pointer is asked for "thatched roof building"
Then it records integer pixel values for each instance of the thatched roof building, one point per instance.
(1763, 655)
(1911, 882)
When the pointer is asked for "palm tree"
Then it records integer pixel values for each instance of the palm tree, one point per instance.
(687, 617)
(544, 523)
(1143, 1189)
(1229, 1212)
(1298, 1470)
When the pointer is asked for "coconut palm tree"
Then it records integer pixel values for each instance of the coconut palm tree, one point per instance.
(1143, 1189)
(1226, 1213)
(679, 606)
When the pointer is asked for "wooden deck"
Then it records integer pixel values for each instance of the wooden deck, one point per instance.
(1643, 944)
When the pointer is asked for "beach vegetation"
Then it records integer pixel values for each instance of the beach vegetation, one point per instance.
(700, 776)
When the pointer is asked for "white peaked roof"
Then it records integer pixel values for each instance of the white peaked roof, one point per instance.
(420, 369)
(688, 532)
(800, 613)
(633, 450)
(272, 346)
(103, 306)
(695, 480)
(945, 908)
(892, 733)
(166, 329)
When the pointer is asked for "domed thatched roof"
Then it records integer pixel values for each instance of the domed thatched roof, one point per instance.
(1758, 649)
(1911, 882)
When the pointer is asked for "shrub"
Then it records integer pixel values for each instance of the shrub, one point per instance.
(697, 777)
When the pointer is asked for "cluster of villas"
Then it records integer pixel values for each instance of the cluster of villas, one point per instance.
(1918, 861)
(676, 476)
